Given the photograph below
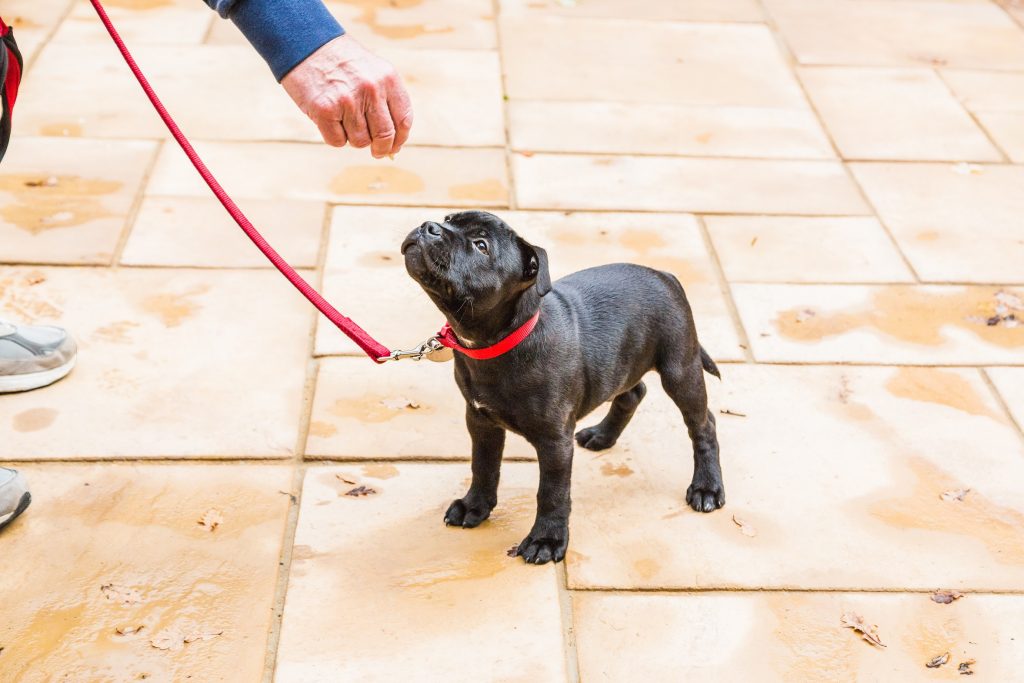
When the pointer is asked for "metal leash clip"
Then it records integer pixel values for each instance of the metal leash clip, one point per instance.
(432, 349)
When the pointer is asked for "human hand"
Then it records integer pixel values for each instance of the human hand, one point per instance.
(352, 96)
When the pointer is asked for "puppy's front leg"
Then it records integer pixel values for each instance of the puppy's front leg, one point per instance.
(550, 534)
(488, 445)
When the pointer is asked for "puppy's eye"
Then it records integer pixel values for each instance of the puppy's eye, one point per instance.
(481, 246)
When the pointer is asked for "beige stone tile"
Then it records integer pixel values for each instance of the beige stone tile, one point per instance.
(33, 21)
(471, 177)
(133, 529)
(1015, 8)
(171, 363)
(399, 410)
(546, 181)
(139, 22)
(554, 58)
(885, 33)
(906, 114)
(657, 10)
(365, 274)
(615, 128)
(925, 324)
(792, 636)
(1010, 384)
(997, 100)
(197, 231)
(957, 223)
(805, 249)
(838, 472)
(67, 201)
(408, 24)
(380, 590)
(204, 87)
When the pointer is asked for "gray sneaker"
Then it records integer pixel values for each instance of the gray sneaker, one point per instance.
(33, 356)
(14, 496)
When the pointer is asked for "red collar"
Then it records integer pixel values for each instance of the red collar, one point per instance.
(447, 338)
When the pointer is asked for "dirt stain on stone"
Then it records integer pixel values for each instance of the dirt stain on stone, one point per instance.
(376, 259)
(375, 408)
(61, 129)
(646, 247)
(943, 387)
(116, 332)
(482, 563)
(380, 470)
(376, 180)
(43, 202)
(610, 470)
(483, 191)
(976, 517)
(174, 309)
(816, 651)
(370, 17)
(34, 420)
(908, 314)
(321, 429)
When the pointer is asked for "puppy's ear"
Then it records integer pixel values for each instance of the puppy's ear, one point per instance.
(535, 266)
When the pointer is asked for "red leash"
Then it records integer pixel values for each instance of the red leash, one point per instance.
(374, 349)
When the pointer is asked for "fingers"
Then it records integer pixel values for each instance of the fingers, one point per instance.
(382, 130)
(400, 109)
(354, 122)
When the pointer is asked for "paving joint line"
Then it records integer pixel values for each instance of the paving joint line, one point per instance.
(726, 288)
(977, 122)
(565, 603)
(983, 371)
(135, 209)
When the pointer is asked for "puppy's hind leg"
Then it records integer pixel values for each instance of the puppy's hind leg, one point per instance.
(604, 434)
(488, 445)
(685, 385)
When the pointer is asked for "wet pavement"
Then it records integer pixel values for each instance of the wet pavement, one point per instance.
(225, 490)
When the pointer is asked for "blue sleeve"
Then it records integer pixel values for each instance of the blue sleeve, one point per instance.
(284, 32)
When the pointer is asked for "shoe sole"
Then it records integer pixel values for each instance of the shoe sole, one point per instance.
(10, 384)
(23, 504)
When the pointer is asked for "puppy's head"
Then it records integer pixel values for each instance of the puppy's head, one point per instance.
(473, 263)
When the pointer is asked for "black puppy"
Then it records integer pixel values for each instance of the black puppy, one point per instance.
(599, 331)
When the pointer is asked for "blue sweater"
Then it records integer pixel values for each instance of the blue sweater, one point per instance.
(284, 32)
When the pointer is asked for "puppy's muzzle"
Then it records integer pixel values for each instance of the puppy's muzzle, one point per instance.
(424, 235)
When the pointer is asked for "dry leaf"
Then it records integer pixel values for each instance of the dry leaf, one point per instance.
(211, 520)
(944, 597)
(726, 411)
(122, 595)
(169, 639)
(345, 479)
(965, 668)
(399, 403)
(1010, 301)
(805, 315)
(202, 635)
(746, 528)
(513, 551)
(936, 662)
(869, 632)
(954, 495)
(753, 241)
(360, 491)
(128, 630)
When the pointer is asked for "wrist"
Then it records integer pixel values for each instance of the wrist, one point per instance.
(285, 33)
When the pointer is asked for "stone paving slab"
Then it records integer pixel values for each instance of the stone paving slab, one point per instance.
(885, 33)
(197, 231)
(400, 410)
(33, 21)
(759, 186)
(617, 128)
(654, 10)
(837, 474)
(997, 100)
(894, 114)
(889, 324)
(381, 590)
(59, 204)
(972, 235)
(364, 256)
(473, 177)
(172, 363)
(805, 249)
(794, 637)
(138, 22)
(107, 547)
(1010, 384)
(554, 58)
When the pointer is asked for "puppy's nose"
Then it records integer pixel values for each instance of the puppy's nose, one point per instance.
(433, 229)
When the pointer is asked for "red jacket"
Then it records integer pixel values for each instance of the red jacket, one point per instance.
(10, 76)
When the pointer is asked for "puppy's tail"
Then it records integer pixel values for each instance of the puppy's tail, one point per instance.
(708, 364)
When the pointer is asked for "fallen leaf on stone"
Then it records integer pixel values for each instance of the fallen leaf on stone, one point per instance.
(345, 479)
(726, 411)
(169, 639)
(944, 597)
(805, 315)
(211, 520)
(936, 662)
(753, 241)
(399, 403)
(954, 495)
(35, 279)
(128, 630)
(201, 635)
(360, 491)
(869, 632)
(1009, 300)
(513, 551)
(122, 595)
(746, 528)
(49, 182)
(965, 668)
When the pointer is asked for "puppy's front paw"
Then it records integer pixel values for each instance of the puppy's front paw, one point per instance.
(705, 496)
(594, 438)
(464, 513)
(543, 548)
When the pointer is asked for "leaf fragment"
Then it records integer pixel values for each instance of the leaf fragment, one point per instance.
(944, 597)
(128, 630)
(746, 528)
(869, 632)
(954, 495)
(965, 668)
(400, 403)
(360, 491)
(343, 478)
(212, 519)
(123, 595)
(936, 662)
(513, 551)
